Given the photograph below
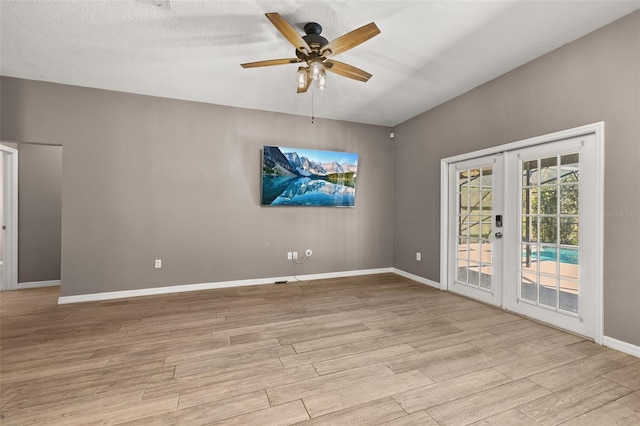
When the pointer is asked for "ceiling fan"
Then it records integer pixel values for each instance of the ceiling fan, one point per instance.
(315, 51)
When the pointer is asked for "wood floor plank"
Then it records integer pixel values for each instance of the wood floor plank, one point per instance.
(321, 332)
(330, 353)
(608, 414)
(210, 353)
(446, 369)
(231, 362)
(209, 412)
(59, 391)
(581, 370)
(352, 396)
(124, 412)
(545, 343)
(328, 342)
(323, 384)
(280, 415)
(628, 376)
(449, 390)
(631, 401)
(562, 406)
(52, 370)
(203, 394)
(421, 418)
(485, 404)
(418, 360)
(508, 417)
(370, 357)
(249, 372)
(537, 363)
(371, 413)
(55, 411)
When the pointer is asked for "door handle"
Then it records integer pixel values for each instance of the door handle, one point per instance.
(498, 234)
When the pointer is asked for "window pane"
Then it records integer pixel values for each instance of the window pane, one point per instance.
(548, 258)
(529, 258)
(529, 228)
(463, 180)
(487, 177)
(474, 274)
(569, 295)
(474, 177)
(548, 230)
(548, 200)
(530, 201)
(485, 277)
(549, 170)
(548, 291)
(474, 226)
(529, 287)
(529, 172)
(570, 167)
(569, 231)
(569, 199)
(487, 201)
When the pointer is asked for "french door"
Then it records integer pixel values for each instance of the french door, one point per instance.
(476, 196)
(551, 244)
(522, 231)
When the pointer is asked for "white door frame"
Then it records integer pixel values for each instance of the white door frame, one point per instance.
(10, 202)
(597, 129)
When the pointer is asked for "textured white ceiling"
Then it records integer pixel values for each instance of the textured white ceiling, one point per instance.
(427, 53)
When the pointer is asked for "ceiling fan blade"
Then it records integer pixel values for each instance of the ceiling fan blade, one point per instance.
(270, 62)
(289, 32)
(347, 70)
(350, 39)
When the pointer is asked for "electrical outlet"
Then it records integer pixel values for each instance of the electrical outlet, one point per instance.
(418, 256)
(158, 263)
(295, 255)
(289, 255)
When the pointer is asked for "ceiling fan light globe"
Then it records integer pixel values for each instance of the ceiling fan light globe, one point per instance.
(302, 77)
(322, 80)
(316, 69)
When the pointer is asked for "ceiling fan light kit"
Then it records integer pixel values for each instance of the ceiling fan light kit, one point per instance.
(315, 50)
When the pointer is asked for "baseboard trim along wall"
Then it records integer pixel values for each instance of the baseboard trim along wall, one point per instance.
(417, 278)
(38, 284)
(94, 297)
(621, 346)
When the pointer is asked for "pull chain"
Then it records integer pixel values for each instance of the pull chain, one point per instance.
(312, 113)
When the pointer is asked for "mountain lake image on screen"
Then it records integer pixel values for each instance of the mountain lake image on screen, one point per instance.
(306, 177)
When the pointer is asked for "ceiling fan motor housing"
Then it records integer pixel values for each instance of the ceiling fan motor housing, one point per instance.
(313, 38)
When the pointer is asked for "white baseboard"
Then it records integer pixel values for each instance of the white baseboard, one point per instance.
(621, 346)
(94, 297)
(417, 278)
(38, 284)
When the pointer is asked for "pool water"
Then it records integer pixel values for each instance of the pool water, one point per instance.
(549, 253)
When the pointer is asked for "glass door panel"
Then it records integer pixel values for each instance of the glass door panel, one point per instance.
(549, 221)
(473, 206)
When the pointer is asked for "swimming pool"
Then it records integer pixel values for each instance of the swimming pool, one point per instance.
(567, 255)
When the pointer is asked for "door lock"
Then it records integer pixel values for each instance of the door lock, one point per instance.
(498, 234)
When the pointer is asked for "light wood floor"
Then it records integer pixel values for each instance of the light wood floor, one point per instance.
(364, 350)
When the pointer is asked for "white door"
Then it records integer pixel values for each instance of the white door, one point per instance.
(524, 228)
(475, 212)
(550, 247)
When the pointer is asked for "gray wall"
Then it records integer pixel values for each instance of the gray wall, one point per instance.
(596, 78)
(39, 212)
(149, 178)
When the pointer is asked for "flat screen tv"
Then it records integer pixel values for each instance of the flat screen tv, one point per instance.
(308, 177)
